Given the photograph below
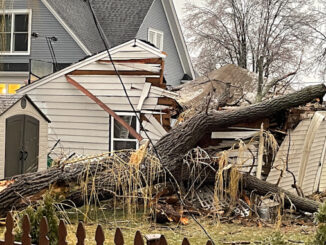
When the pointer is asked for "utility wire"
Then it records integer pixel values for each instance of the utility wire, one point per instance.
(105, 42)
(54, 59)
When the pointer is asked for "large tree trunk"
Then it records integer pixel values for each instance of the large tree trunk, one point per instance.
(172, 147)
(260, 187)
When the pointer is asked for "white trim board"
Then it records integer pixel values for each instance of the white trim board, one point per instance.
(66, 27)
(13, 12)
(90, 60)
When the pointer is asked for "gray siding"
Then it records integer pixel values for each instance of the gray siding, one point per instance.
(44, 23)
(156, 19)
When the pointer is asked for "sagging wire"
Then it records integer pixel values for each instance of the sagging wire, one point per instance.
(105, 43)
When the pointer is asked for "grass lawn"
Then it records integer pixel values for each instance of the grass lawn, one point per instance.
(239, 230)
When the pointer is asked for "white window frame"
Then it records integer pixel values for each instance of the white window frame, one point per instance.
(14, 12)
(127, 140)
(155, 31)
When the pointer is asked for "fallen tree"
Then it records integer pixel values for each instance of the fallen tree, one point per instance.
(28, 187)
(174, 145)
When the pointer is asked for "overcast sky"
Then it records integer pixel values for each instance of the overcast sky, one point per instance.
(179, 4)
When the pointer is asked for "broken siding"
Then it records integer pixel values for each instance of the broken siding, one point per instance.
(314, 159)
(82, 125)
(306, 130)
(322, 183)
(295, 152)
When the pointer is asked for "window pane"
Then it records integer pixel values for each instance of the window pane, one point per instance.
(159, 40)
(151, 37)
(5, 23)
(3, 89)
(123, 145)
(14, 66)
(21, 23)
(21, 42)
(12, 88)
(121, 132)
(5, 42)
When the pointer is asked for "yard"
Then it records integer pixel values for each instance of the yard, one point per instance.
(238, 230)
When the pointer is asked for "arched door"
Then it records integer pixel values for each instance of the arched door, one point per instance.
(22, 145)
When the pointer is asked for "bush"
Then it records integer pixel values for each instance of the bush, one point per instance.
(44, 208)
(275, 239)
(320, 237)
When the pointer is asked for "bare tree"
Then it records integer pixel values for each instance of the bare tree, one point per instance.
(319, 31)
(263, 36)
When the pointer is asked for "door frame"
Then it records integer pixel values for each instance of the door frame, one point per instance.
(23, 152)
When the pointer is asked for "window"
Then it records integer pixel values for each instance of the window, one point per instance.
(120, 136)
(156, 38)
(16, 67)
(9, 88)
(15, 32)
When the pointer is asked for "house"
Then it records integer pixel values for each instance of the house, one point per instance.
(23, 136)
(89, 108)
(42, 36)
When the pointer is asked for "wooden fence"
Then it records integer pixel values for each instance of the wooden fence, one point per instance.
(80, 234)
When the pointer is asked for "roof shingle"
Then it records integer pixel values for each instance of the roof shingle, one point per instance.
(120, 20)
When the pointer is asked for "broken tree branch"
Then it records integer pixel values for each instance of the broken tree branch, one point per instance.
(174, 145)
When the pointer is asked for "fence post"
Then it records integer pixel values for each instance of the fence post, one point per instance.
(9, 236)
(62, 233)
(44, 229)
(162, 241)
(138, 239)
(26, 237)
(185, 241)
(118, 238)
(81, 234)
(99, 235)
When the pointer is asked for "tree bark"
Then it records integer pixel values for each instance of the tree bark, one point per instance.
(260, 187)
(29, 187)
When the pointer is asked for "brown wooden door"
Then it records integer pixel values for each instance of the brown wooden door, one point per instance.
(22, 145)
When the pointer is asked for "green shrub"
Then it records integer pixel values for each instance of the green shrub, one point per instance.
(320, 237)
(275, 239)
(44, 208)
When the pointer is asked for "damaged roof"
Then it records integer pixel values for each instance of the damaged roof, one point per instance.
(242, 81)
(120, 20)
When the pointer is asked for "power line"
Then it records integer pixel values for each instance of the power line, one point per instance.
(105, 42)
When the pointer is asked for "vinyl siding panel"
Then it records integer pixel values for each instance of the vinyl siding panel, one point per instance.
(156, 19)
(45, 24)
(80, 124)
(73, 126)
(298, 137)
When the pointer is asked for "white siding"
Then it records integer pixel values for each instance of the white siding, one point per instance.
(295, 158)
(82, 126)
(296, 138)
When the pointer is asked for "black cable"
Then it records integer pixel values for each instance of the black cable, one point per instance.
(105, 42)
(54, 59)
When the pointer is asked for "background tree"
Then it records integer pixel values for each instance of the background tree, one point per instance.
(318, 60)
(269, 36)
